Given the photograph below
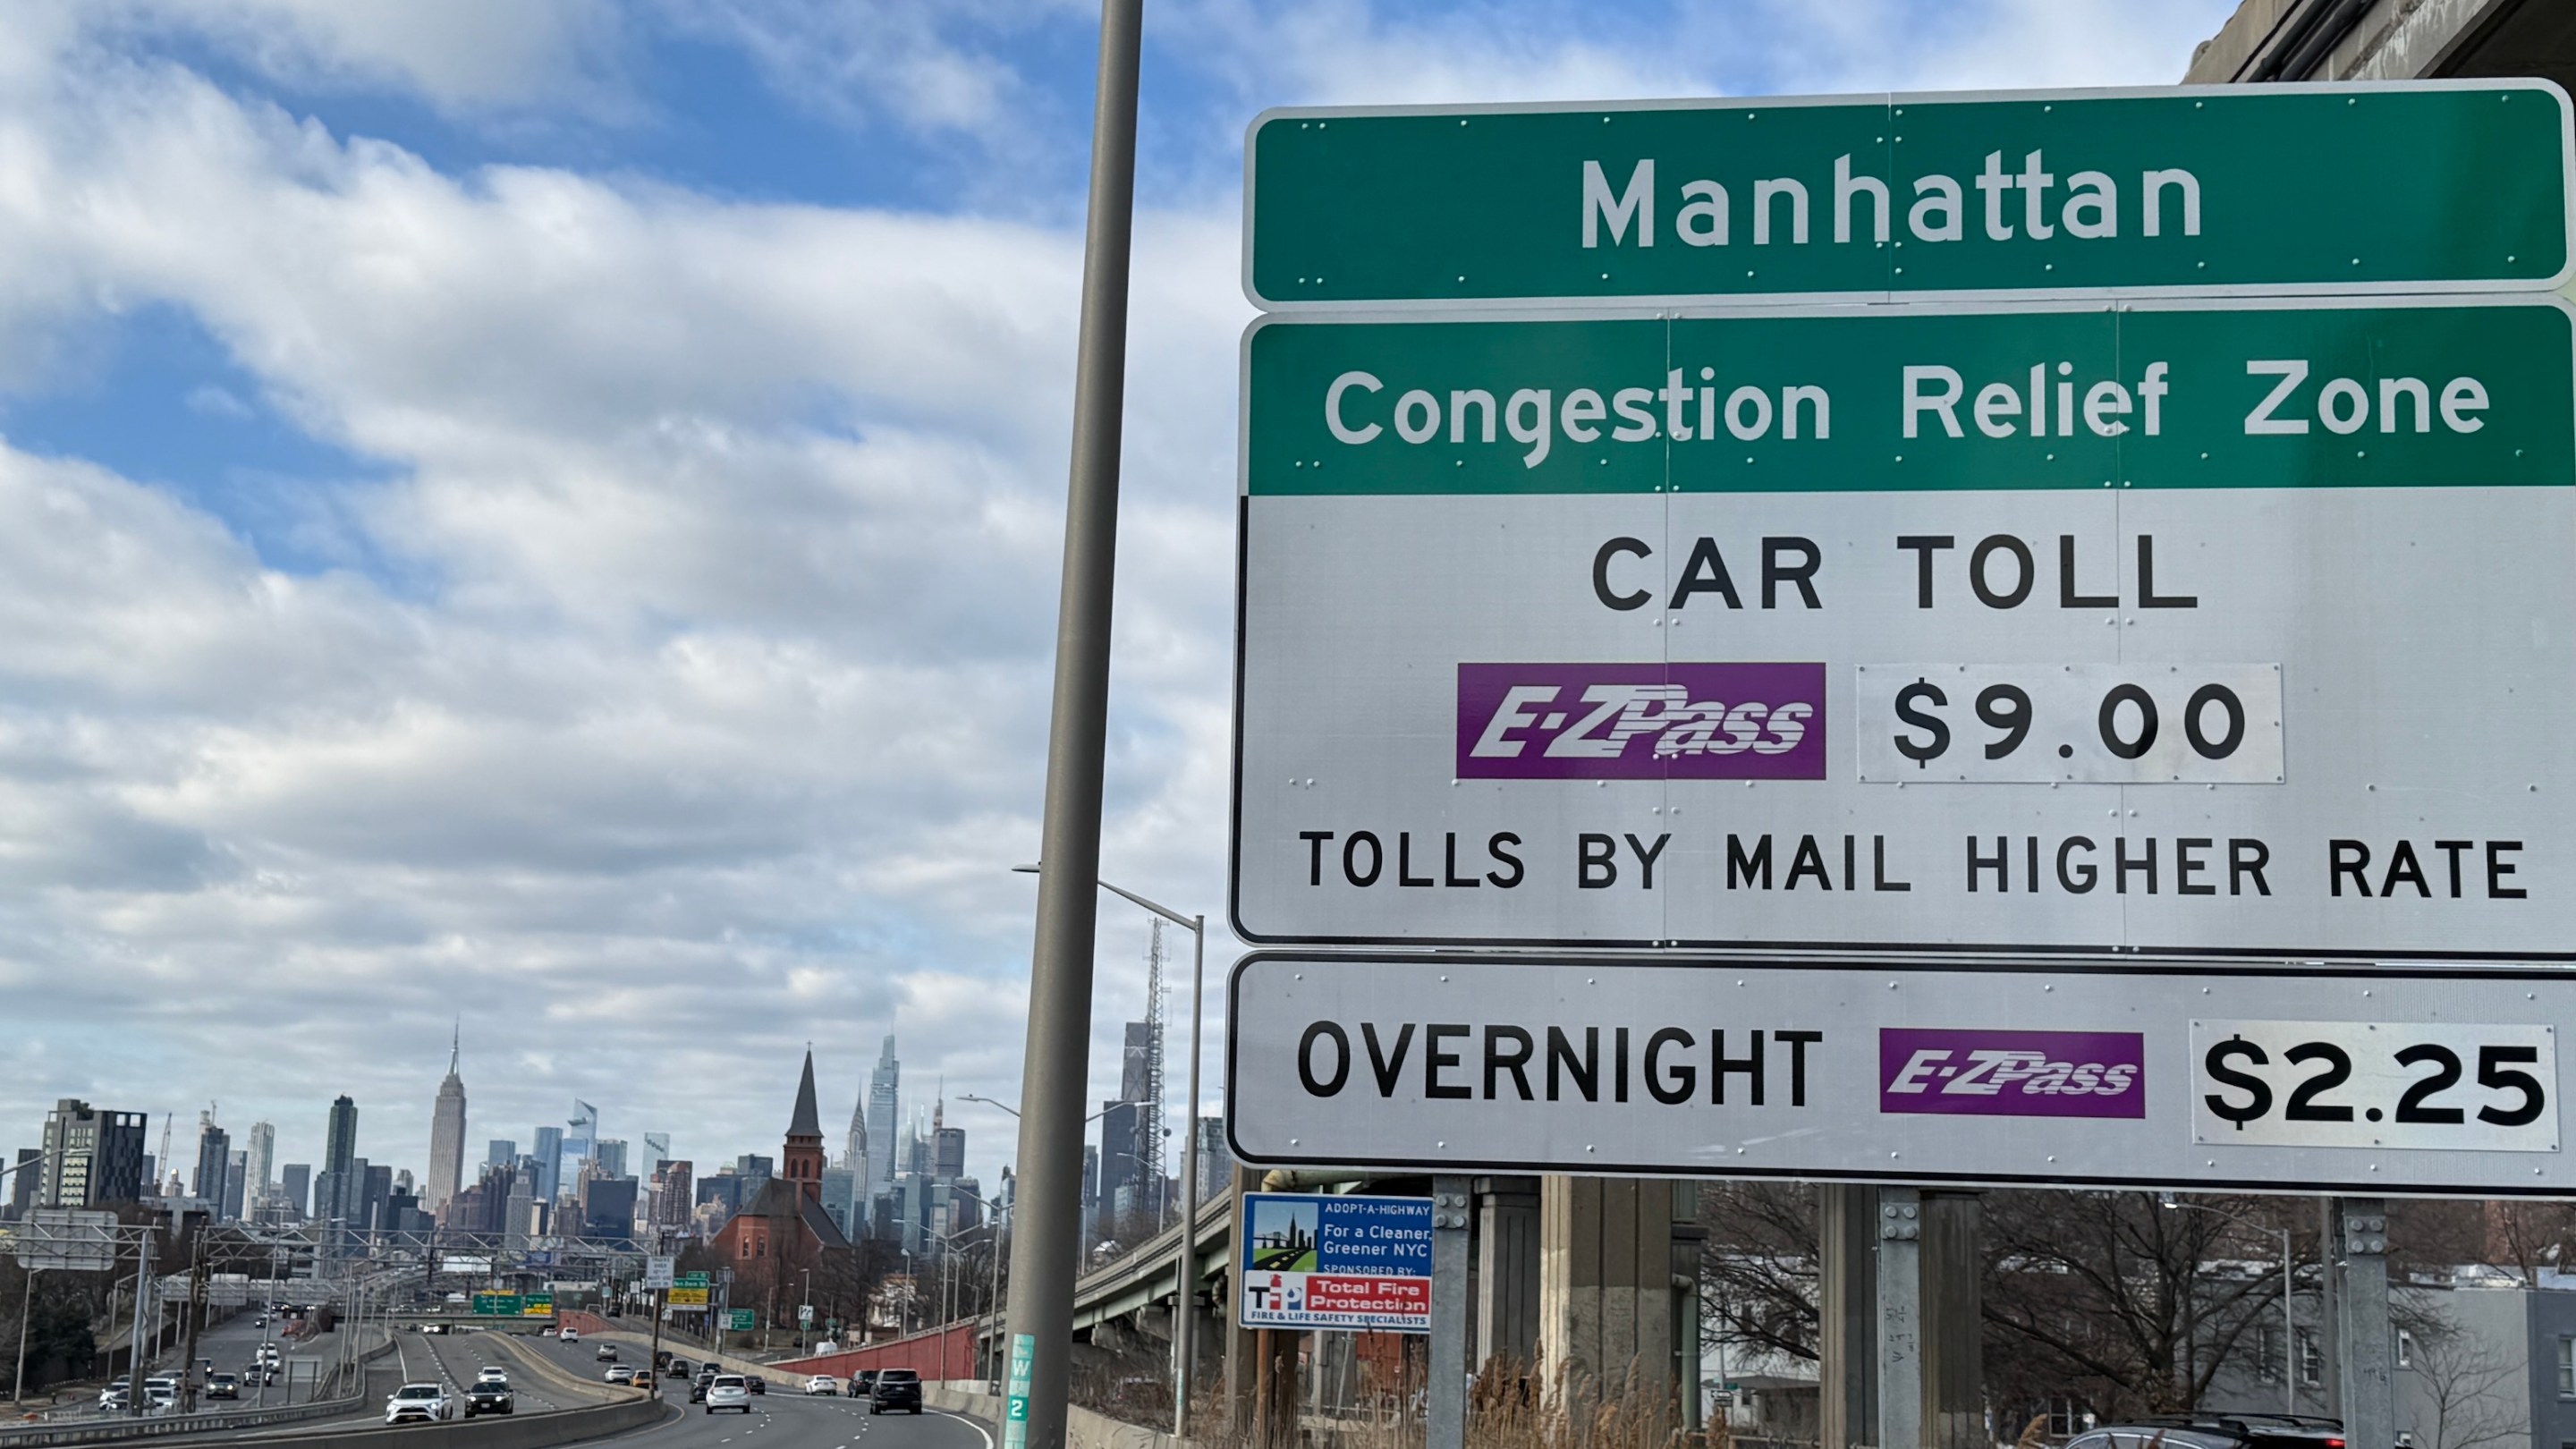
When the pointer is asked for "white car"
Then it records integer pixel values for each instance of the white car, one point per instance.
(825, 1385)
(728, 1392)
(571, 1335)
(426, 1403)
(493, 1374)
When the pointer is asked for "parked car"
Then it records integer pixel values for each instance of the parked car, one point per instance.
(823, 1384)
(489, 1396)
(728, 1392)
(2216, 1431)
(895, 1389)
(419, 1403)
(222, 1386)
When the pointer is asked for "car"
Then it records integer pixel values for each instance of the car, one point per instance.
(2216, 1431)
(222, 1386)
(569, 1335)
(605, 1353)
(419, 1404)
(823, 1384)
(622, 1374)
(728, 1392)
(489, 1396)
(895, 1389)
(698, 1388)
(114, 1398)
(160, 1394)
(492, 1372)
(681, 1369)
(755, 1383)
(861, 1382)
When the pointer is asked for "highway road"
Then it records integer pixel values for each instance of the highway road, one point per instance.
(779, 1419)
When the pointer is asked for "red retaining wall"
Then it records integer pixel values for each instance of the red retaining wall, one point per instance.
(922, 1353)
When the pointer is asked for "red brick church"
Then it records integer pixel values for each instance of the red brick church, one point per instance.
(786, 1219)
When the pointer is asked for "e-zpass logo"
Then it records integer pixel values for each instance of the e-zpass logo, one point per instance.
(1641, 721)
(2012, 1073)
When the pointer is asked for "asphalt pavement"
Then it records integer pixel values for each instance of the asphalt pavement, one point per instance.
(786, 1419)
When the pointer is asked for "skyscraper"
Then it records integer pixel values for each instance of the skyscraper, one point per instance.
(884, 1102)
(236, 1175)
(580, 1140)
(657, 1150)
(337, 1192)
(548, 1152)
(214, 1154)
(260, 1167)
(501, 1152)
(340, 1144)
(447, 1134)
(294, 1181)
(608, 1157)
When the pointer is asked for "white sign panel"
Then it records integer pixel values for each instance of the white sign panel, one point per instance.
(2231, 628)
(658, 1270)
(2150, 1074)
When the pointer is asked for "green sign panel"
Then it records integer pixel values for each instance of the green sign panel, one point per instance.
(2221, 394)
(506, 1305)
(690, 1280)
(2412, 186)
(740, 1320)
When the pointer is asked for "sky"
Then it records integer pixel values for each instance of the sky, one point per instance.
(540, 518)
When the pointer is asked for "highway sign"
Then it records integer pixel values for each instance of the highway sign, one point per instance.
(1328, 1261)
(657, 1271)
(740, 1320)
(689, 1297)
(2408, 187)
(59, 1240)
(537, 1305)
(804, 1315)
(2230, 626)
(506, 1305)
(691, 1280)
(2165, 1074)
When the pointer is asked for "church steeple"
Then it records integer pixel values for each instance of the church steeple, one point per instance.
(801, 1162)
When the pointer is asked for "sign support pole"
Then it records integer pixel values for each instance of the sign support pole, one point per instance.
(1848, 1337)
(1446, 1393)
(1046, 1256)
(2367, 1341)
(1900, 1318)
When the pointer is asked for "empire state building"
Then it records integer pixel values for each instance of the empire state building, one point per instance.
(446, 1137)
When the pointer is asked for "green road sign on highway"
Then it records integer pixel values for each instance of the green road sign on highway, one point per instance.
(2409, 186)
(740, 1320)
(507, 1305)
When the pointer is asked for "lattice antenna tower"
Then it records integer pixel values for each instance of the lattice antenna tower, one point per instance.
(1149, 1121)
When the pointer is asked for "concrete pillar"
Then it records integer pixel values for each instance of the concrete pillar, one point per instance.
(1847, 1290)
(1954, 1378)
(1605, 1289)
(1506, 1316)
(1900, 1319)
(2366, 1341)
(1688, 1238)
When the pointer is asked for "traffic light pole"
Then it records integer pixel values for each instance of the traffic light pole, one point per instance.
(1046, 1255)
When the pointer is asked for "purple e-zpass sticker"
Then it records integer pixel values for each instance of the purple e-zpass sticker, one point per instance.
(1641, 721)
(2012, 1073)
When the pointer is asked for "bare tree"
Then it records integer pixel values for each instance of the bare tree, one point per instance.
(2467, 1398)
(1758, 1266)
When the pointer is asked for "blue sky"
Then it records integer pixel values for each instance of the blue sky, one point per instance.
(547, 510)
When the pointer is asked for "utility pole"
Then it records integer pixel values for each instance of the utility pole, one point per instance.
(196, 1321)
(26, 1304)
(1047, 1254)
(143, 1294)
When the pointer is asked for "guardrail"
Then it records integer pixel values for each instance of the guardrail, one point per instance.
(122, 1430)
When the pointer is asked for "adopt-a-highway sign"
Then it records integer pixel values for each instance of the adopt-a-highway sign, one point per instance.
(1321, 1260)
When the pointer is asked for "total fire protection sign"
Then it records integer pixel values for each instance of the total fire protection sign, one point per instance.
(2199, 627)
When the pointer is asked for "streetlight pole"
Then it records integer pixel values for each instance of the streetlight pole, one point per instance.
(1046, 1261)
(2289, 1325)
(1184, 1327)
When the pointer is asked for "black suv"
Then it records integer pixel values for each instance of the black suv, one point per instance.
(895, 1389)
(2216, 1431)
(491, 1396)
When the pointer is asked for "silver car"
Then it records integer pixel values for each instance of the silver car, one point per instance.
(728, 1392)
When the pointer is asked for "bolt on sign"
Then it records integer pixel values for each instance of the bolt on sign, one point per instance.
(2237, 625)
(2190, 1075)
(2421, 186)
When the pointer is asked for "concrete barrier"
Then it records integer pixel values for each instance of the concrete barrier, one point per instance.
(1083, 1429)
(228, 1421)
(507, 1431)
